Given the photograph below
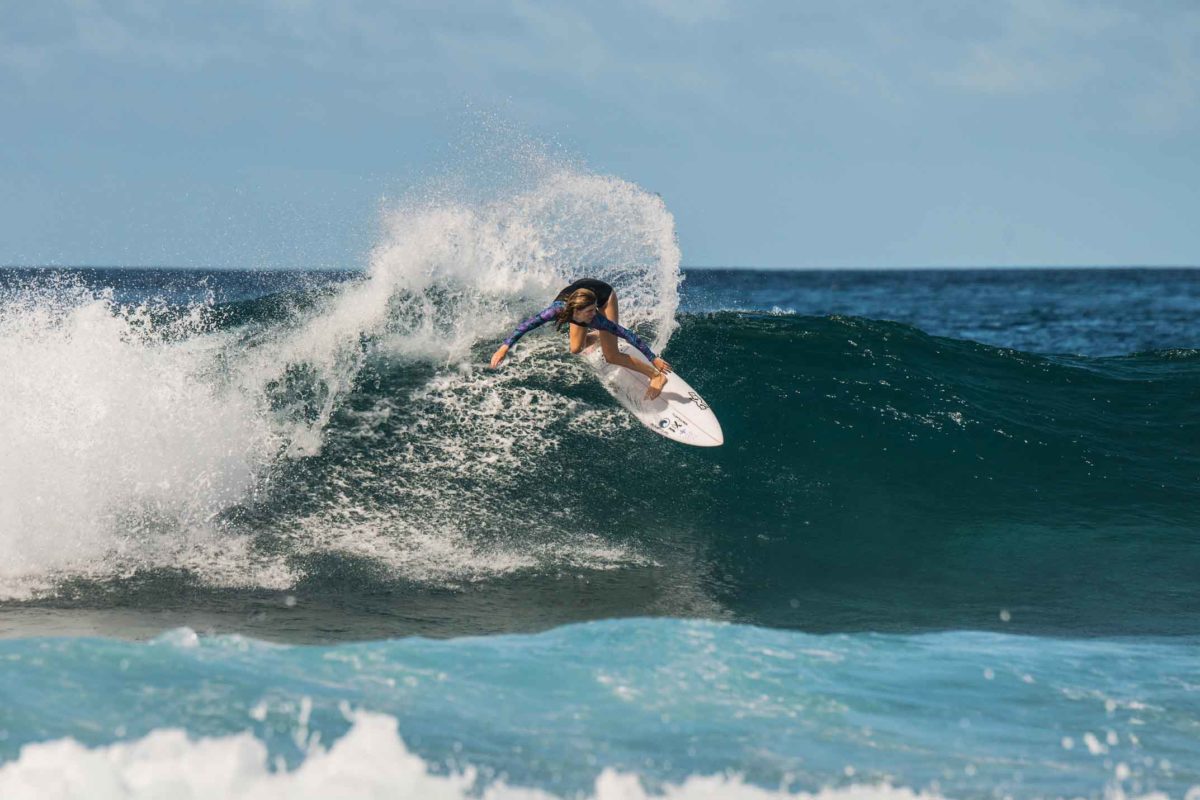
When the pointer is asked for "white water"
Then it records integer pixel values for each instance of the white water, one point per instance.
(117, 449)
(445, 277)
(370, 761)
(124, 441)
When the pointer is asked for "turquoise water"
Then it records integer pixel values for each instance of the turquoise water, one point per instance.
(962, 714)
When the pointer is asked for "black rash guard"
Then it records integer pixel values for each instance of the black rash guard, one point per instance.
(599, 288)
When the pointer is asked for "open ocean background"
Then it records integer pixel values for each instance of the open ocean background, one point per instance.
(283, 534)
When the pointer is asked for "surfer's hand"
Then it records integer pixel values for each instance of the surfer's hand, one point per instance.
(662, 366)
(499, 355)
(656, 384)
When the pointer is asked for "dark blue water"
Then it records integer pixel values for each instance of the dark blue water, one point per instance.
(1093, 312)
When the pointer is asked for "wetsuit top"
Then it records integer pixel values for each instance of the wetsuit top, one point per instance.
(599, 322)
(599, 288)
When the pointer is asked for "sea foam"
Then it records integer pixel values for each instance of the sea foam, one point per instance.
(371, 760)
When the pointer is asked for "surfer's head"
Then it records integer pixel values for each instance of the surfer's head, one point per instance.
(580, 307)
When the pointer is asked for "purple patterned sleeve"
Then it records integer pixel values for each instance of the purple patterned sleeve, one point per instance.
(536, 321)
(603, 323)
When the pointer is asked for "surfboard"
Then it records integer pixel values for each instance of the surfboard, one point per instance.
(679, 413)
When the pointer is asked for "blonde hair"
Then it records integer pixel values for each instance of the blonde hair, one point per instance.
(580, 298)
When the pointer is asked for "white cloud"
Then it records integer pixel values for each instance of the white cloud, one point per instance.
(844, 70)
(691, 12)
(1005, 69)
(1170, 102)
(26, 60)
(1042, 46)
(657, 58)
(1130, 66)
(128, 32)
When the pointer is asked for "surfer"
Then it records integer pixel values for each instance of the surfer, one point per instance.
(590, 303)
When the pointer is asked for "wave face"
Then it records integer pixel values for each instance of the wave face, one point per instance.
(613, 709)
(935, 481)
(338, 440)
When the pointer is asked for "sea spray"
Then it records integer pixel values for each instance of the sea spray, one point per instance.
(446, 279)
(117, 450)
(131, 434)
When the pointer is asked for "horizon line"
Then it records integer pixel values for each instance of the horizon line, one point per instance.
(701, 267)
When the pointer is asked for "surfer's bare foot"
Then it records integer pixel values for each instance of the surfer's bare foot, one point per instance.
(656, 385)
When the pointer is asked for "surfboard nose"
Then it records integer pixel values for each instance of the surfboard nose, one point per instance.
(716, 437)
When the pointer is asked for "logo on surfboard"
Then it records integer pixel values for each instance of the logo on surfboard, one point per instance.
(674, 425)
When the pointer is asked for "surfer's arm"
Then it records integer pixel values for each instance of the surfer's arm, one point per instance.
(600, 322)
(536, 321)
(656, 370)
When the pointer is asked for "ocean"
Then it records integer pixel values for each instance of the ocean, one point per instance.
(284, 534)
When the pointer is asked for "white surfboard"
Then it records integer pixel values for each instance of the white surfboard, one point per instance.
(679, 413)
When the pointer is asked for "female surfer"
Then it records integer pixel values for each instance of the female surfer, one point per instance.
(580, 306)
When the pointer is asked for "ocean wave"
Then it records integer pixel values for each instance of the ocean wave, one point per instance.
(135, 429)
(346, 440)
(873, 474)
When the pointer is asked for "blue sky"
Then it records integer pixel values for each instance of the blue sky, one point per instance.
(780, 134)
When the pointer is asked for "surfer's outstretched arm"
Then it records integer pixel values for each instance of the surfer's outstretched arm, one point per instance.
(536, 321)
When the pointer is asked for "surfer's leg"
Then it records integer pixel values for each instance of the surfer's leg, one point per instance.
(613, 355)
(610, 309)
(579, 335)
